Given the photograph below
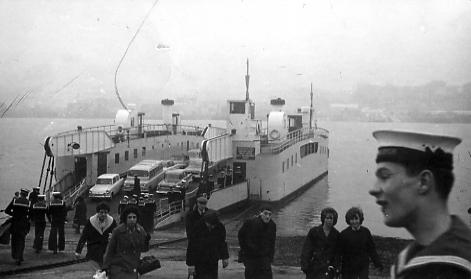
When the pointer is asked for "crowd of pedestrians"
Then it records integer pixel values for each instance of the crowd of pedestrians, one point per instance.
(414, 177)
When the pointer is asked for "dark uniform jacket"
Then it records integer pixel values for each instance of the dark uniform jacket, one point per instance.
(449, 256)
(257, 239)
(319, 251)
(124, 249)
(206, 246)
(57, 212)
(38, 212)
(357, 248)
(96, 237)
(193, 218)
(19, 210)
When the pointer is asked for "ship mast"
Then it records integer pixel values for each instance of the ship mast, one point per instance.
(247, 80)
(310, 111)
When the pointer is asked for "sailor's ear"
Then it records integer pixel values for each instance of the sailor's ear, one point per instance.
(426, 182)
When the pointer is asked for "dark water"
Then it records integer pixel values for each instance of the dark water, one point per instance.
(351, 168)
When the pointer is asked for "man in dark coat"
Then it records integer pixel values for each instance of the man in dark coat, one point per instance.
(207, 245)
(80, 216)
(195, 215)
(257, 245)
(57, 214)
(33, 196)
(38, 217)
(320, 247)
(96, 233)
(137, 186)
(19, 210)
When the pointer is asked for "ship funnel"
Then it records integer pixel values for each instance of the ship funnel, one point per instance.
(167, 110)
(277, 104)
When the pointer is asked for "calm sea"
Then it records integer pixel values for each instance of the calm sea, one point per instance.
(351, 169)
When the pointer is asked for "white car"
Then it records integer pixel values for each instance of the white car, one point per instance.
(107, 186)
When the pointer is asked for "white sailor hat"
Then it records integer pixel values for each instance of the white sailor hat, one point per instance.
(56, 194)
(36, 188)
(41, 197)
(24, 191)
(411, 147)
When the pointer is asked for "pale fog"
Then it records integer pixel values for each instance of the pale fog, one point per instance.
(60, 52)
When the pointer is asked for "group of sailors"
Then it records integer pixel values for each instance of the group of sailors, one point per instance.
(35, 210)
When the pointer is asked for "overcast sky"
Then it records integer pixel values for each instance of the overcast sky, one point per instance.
(46, 45)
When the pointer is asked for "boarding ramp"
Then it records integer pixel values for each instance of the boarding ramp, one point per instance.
(212, 132)
(217, 149)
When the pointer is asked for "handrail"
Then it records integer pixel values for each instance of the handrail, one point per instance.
(292, 138)
(114, 129)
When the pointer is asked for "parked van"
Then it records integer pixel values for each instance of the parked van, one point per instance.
(149, 172)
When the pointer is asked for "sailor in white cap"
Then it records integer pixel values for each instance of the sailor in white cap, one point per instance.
(19, 210)
(414, 179)
(57, 215)
(38, 217)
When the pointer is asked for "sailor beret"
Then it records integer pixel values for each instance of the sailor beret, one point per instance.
(56, 194)
(410, 147)
(24, 191)
(41, 197)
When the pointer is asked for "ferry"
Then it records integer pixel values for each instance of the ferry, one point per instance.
(266, 160)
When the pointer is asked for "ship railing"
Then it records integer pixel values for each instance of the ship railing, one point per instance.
(147, 129)
(171, 208)
(71, 195)
(292, 138)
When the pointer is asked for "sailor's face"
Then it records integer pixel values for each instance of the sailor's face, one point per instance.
(354, 222)
(395, 193)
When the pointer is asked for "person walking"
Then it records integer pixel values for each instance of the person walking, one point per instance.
(207, 245)
(319, 252)
(38, 217)
(57, 215)
(80, 216)
(127, 243)
(194, 216)
(414, 178)
(257, 245)
(33, 196)
(96, 233)
(19, 210)
(356, 247)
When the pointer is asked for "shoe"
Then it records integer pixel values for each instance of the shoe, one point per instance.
(18, 262)
(37, 251)
(54, 252)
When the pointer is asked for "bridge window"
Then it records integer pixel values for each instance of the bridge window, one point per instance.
(143, 151)
(135, 153)
(283, 166)
(116, 158)
(237, 107)
(291, 160)
(296, 158)
(126, 155)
